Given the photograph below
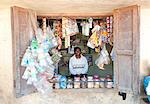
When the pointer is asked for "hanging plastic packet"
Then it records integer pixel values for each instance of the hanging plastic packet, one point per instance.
(26, 73)
(56, 55)
(39, 68)
(39, 35)
(43, 86)
(49, 59)
(42, 58)
(34, 44)
(30, 75)
(26, 56)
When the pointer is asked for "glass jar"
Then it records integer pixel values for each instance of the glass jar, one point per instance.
(90, 82)
(109, 82)
(76, 82)
(96, 81)
(102, 82)
(70, 83)
(83, 82)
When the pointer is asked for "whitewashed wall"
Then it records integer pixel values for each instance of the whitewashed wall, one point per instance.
(145, 40)
(6, 76)
(62, 97)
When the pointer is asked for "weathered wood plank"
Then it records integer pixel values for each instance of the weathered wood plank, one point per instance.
(126, 43)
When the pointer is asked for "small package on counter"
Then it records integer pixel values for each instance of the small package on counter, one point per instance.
(63, 82)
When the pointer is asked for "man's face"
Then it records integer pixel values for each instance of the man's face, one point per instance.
(77, 53)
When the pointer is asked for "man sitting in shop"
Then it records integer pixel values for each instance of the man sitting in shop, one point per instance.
(78, 64)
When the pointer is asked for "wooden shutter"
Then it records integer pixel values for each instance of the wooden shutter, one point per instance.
(21, 34)
(126, 44)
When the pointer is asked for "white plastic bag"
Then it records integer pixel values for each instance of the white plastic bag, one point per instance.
(30, 75)
(103, 58)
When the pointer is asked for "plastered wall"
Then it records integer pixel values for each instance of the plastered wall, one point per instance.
(144, 41)
(6, 76)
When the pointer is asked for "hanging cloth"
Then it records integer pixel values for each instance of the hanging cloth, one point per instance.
(69, 28)
(85, 28)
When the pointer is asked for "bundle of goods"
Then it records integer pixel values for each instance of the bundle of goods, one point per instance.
(39, 64)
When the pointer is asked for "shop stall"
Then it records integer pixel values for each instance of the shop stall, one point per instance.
(107, 45)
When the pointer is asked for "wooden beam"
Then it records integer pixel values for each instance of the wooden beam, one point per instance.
(74, 15)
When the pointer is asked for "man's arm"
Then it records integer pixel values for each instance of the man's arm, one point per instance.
(72, 71)
(85, 67)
